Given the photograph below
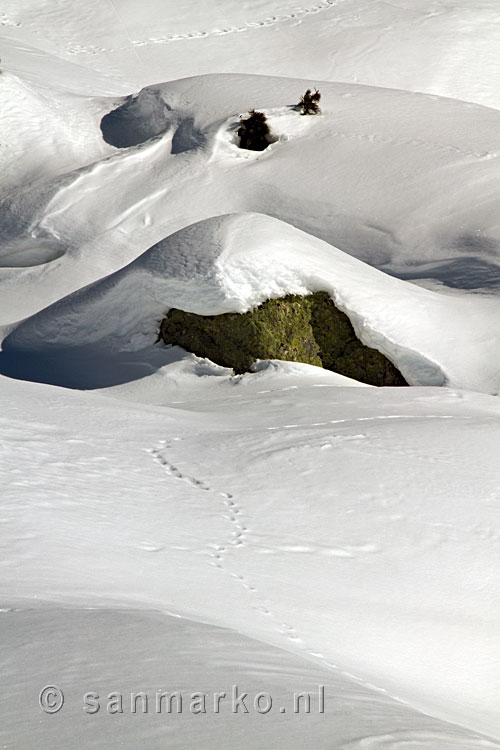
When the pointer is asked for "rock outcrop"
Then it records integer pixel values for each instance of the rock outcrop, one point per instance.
(296, 328)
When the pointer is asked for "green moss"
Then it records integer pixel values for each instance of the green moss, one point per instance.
(306, 329)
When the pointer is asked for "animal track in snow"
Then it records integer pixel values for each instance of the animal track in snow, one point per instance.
(239, 535)
(5, 21)
(169, 467)
(238, 538)
(295, 15)
(417, 142)
(260, 23)
(232, 511)
(380, 417)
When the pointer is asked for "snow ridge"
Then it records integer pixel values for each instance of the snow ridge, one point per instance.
(235, 262)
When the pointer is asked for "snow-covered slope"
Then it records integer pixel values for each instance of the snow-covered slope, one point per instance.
(44, 134)
(190, 657)
(234, 263)
(447, 47)
(402, 181)
(341, 524)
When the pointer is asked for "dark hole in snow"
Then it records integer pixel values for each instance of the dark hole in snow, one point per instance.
(186, 137)
(147, 116)
(140, 118)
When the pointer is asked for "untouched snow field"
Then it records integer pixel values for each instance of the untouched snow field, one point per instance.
(166, 525)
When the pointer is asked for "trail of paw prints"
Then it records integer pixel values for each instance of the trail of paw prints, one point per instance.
(287, 631)
(172, 470)
(233, 512)
(6, 21)
(295, 15)
(291, 634)
(91, 49)
(376, 418)
(238, 538)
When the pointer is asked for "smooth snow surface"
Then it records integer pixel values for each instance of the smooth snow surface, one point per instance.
(166, 525)
(190, 657)
(446, 47)
(341, 524)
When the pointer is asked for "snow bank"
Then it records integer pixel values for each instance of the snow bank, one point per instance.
(442, 48)
(355, 528)
(190, 656)
(398, 180)
(235, 262)
(43, 133)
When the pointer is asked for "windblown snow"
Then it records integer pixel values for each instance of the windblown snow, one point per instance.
(167, 525)
(234, 263)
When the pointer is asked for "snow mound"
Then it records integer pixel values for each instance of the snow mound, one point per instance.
(233, 263)
(401, 181)
(270, 370)
(43, 133)
(445, 48)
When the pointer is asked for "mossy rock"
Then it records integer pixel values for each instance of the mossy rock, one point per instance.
(306, 329)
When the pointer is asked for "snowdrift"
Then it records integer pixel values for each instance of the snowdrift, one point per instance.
(405, 182)
(233, 263)
(343, 525)
(190, 655)
(420, 45)
(44, 133)
(352, 530)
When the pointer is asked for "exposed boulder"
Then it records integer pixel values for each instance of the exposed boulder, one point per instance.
(296, 328)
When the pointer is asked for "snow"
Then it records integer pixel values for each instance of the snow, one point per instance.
(168, 525)
(166, 504)
(444, 47)
(189, 657)
(378, 175)
(234, 263)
